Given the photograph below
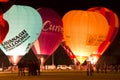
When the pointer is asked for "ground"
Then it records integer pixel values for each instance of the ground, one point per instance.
(62, 75)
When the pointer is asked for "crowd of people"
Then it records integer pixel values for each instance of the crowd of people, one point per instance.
(103, 68)
(33, 68)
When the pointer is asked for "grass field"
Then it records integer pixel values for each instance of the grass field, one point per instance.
(62, 75)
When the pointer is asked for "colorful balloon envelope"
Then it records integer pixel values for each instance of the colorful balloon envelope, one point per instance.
(25, 25)
(4, 0)
(4, 27)
(51, 34)
(84, 32)
(113, 22)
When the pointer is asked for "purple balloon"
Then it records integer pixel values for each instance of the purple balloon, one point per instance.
(52, 32)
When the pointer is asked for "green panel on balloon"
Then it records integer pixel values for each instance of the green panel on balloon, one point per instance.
(25, 25)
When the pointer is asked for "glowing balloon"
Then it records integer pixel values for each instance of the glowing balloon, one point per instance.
(4, 27)
(51, 35)
(4, 0)
(84, 32)
(25, 25)
(113, 22)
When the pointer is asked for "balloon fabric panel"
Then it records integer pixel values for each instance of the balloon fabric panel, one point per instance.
(51, 40)
(25, 26)
(113, 24)
(4, 28)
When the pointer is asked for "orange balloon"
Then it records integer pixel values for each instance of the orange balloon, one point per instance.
(84, 31)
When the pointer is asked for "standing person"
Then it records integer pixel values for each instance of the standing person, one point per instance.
(21, 69)
(34, 68)
(38, 67)
(89, 69)
(29, 68)
(87, 72)
(97, 67)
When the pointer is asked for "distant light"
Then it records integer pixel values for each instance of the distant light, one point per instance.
(93, 59)
(42, 59)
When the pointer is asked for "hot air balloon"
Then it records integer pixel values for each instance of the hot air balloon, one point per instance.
(113, 22)
(51, 34)
(4, 27)
(4, 0)
(84, 32)
(25, 25)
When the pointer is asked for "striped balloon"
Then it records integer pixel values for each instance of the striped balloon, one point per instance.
(113, 21)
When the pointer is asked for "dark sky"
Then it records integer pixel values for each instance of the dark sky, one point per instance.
(62, 6)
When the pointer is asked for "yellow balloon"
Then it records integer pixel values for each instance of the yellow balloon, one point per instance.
(84, 31)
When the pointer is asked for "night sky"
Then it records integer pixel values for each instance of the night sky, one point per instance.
(63, 6)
